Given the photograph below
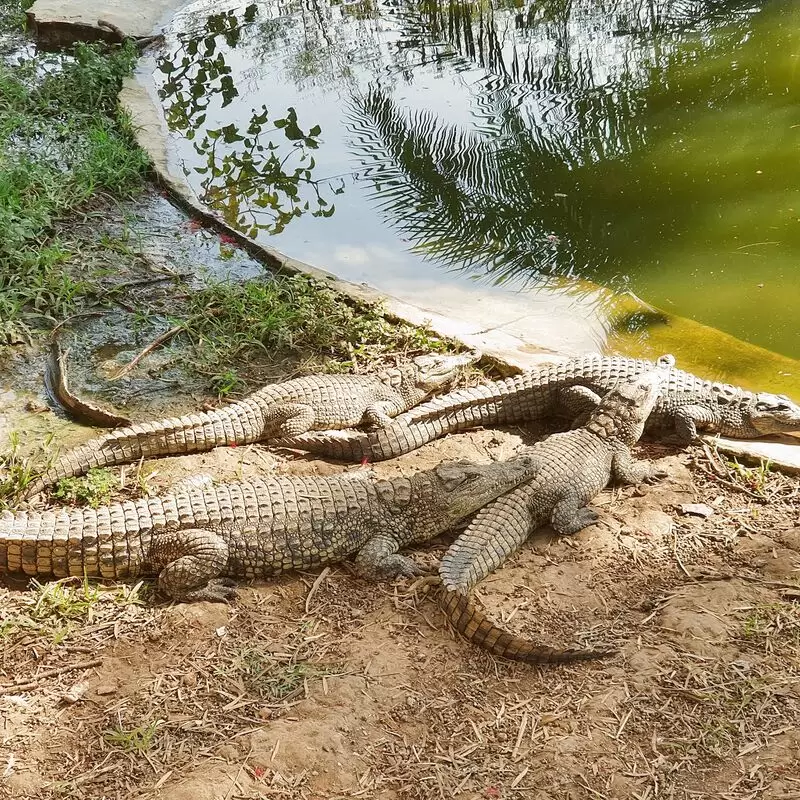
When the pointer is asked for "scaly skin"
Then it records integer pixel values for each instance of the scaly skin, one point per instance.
(686, 404)
(572, 468)
(199, 537)
(315, 402)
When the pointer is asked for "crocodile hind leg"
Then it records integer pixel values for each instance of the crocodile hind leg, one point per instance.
(568, 516)
(192, 561)
(289, 419)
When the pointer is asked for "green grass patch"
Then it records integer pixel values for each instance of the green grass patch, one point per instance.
(132, 740)
(63, 145)
(18, 470)
(62, 141)
(294, 314)
(94, 489)
(269, 676)
(56, 610)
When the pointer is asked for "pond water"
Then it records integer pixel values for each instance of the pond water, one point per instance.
(646, 146)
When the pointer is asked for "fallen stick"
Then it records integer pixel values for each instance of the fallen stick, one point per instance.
(32, 683)
(315, 586)
(156, 343)
(55, 381)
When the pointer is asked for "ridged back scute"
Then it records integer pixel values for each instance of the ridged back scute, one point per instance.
(623, 412)
(397, 493)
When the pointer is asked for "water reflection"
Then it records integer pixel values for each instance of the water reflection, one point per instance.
(649, 146)
(254, 183)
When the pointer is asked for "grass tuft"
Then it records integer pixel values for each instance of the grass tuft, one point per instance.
(292, 314)
(18, 470)
(132, 740)
(94, 489)
(62, 141)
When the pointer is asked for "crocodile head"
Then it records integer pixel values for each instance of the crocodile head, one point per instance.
(425, 374)
(763, 414)
(453, 490)
(623, 412)
(435, 370)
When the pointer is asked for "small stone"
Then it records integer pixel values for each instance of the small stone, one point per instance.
(105, 689)
(654, 523)
(229, 752)
(11, 763)
(696, 509)
(222, 631)
(75, 693)
(36, 407)
(189, 679)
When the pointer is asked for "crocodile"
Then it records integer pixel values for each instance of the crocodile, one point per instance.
(315, 402)
(197, 539)
(572, 467)
(570, 389)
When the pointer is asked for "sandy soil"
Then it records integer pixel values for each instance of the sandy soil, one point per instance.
(321, 686)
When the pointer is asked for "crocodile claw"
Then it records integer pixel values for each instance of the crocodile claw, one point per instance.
(217, 590)
(403, 567)
(656, 475)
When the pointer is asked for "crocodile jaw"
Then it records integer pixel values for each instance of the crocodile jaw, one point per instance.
(435, 370)
(773, 413)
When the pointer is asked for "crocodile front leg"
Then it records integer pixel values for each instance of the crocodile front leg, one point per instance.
(192, 561)
(625, 469)
(380, 414)
(578, 401)
(378, 559)
(569, 516)
(688, 418)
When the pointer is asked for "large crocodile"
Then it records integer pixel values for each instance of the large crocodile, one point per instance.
(196, 539)
(686, 404)
(572, 468)
(315, 402)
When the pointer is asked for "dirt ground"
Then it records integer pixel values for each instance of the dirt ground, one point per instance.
(321, 686)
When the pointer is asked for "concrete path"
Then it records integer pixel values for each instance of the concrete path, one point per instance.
(62, 21)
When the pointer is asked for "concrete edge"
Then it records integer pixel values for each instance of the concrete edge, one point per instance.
(784, 456)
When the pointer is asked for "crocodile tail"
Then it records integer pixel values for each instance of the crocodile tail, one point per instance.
(192, 433)
(478, 629)
(390, 442)
(108, 542)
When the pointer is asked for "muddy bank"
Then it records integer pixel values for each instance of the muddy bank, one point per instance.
(335, 687)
